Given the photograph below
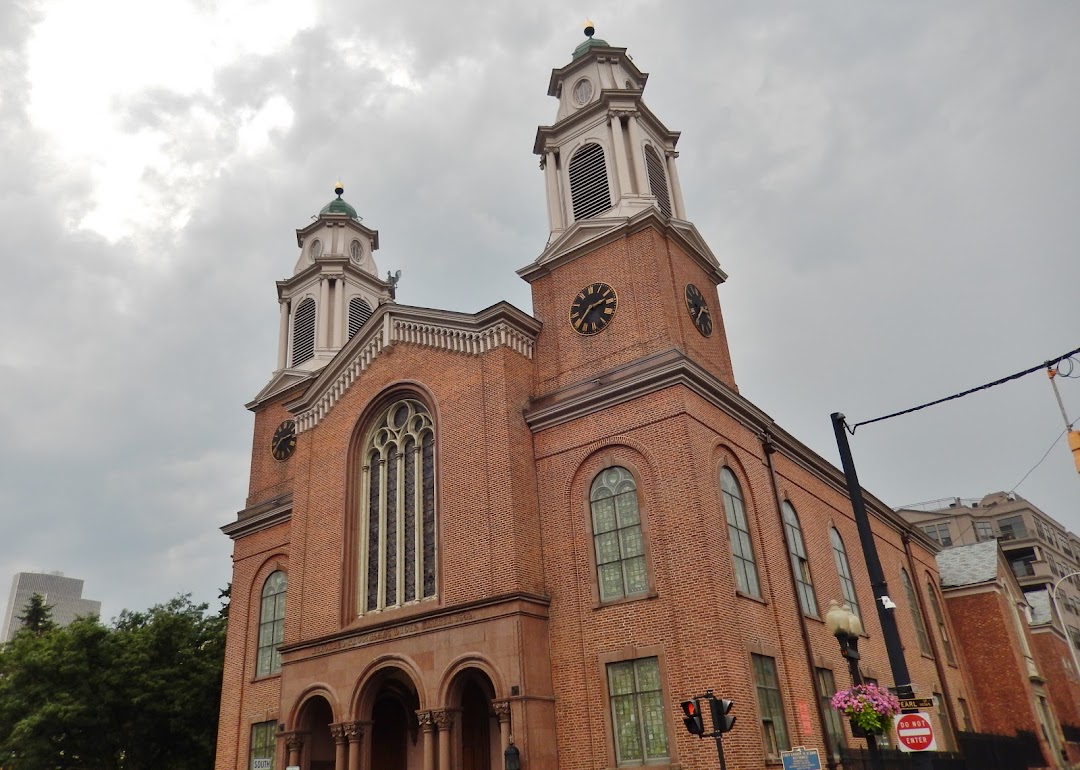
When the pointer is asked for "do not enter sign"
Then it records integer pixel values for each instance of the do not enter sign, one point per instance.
(915, 733)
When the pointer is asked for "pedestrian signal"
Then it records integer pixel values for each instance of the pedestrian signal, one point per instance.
(695, 725)
(722, 721)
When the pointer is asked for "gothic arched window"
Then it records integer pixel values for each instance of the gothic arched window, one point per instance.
(843, 570)
(800, 564)
(359, 312)
(271, 624)
(303, 345)
(916, 615)
(589, 190)
(654, 165)
(617, 539)
(397, 508)
(742, 553)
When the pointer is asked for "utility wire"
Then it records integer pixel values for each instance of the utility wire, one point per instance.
(1054, 444)
(1038, 367)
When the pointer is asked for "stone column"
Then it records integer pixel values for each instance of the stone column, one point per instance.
(283, 333)
(676, 188)
(322, 317)
(502, 713)
(427, 727)
(354, 734)
(294, 742)
(337, 732)
(618, 149)
(342, 313)
(637, 155)
(444, 720)
(551, 183)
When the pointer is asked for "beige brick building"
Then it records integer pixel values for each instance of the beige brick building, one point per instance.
(464, 530)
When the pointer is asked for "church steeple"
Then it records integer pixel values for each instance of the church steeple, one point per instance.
(334, 289)
(607, 155)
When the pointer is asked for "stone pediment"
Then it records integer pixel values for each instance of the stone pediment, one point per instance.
(586, 235)
(283, 380)
(469, 334)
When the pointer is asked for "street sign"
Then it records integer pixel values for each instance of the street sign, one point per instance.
(915, 733)
(262, 763)
(801, 759)
(916, 703)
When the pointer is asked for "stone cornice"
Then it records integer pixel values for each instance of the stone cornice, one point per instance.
(259, 517)
(559, 73)
(343, 219)
(332, 267)
(611, 100)
(501, 325)
(281, 382)
(668, 369)
(588, 235)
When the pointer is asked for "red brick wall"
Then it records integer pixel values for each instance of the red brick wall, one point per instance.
(1054, 660)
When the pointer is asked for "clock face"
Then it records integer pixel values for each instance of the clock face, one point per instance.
(284, 441)
(699, 311)
(583, 91)
(356, 251)
(593, 308)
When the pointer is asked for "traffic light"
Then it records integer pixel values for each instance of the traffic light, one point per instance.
(695, 725)
(721, 721)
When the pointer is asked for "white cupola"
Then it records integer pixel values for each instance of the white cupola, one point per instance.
(607, 154)
(334, 289)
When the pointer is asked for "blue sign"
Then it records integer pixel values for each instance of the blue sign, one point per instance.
(801, 759)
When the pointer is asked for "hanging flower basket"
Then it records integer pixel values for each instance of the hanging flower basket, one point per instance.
(869, 707)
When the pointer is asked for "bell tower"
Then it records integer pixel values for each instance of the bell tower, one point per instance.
(334, 289)
(625, 276)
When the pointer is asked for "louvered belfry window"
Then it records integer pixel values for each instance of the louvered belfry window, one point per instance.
(589, 182)
(658, 180)
(397, 514)
(359, 312)
(304, 332)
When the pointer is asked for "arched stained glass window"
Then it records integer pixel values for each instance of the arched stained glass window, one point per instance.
(742, 553)
(916, 615)
(939, 618)
(617, 538)
(799, 562)
(359, 313)
(398, 508)
(303, 346)
(654, 166)
(843, 570)
(271, 624)
(589, 190)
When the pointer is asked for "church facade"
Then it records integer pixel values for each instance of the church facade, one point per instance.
(470, 531)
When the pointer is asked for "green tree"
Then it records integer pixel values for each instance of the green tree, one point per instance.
(37, 617)
(140, 694)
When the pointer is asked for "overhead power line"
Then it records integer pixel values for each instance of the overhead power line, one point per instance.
(1038, 367)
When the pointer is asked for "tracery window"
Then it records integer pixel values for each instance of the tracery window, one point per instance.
(303, 346)
(843, 570)
(799, 562)
(589, 191)
(916, 615)
(271, 624)
(397, 517)
(617, 537)
(742, 553)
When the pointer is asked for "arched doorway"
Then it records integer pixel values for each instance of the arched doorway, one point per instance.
(315, 719)
(394, 726)
(479, 744)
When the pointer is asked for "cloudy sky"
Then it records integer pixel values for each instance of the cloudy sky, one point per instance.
(892, 187)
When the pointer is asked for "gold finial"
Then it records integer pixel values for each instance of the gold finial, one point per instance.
(339, 188)
(590, 30)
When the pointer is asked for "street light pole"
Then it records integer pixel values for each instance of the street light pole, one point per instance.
(846, 627)
(1057, 611)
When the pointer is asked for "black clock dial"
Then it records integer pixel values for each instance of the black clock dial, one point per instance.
(284, 441)
(593, 308)
(699, 311)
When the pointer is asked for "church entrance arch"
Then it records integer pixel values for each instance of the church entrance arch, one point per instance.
(479, 745)
(394, 725)
(316, 715)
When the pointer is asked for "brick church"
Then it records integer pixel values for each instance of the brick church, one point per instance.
(466, 531)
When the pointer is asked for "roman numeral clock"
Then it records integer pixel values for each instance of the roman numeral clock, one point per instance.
(593, 308)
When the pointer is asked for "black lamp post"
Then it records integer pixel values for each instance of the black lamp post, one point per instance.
(846, 627)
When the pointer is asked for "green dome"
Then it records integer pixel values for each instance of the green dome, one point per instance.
(592, 42)
(339, 206)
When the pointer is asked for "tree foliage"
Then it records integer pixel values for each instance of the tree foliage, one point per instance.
(140, 694)
(37, 617)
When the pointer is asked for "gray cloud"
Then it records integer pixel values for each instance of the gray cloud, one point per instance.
(892, 190)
